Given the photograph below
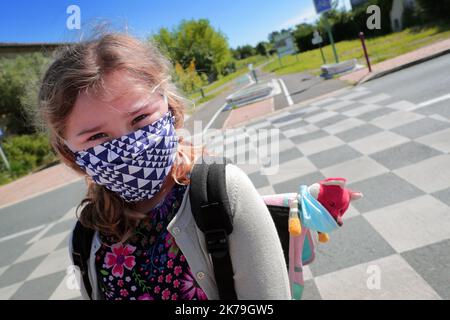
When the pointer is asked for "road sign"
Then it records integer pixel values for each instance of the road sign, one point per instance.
(284, 43)
(317, 38)
(356, 3)
(322, 5)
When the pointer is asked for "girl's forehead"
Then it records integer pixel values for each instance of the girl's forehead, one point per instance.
(119, 92)
(119, 85)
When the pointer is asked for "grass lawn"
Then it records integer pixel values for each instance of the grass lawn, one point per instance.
(241, 69)
(379, 49)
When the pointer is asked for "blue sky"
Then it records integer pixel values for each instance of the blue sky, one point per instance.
(245, 21)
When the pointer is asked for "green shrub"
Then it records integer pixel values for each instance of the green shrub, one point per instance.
(25, 154)
(19, 77)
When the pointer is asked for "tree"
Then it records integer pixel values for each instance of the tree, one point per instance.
(359, 17)
(303, 35)
(196, 40)
(272, 36)
(433, 10)
(246, 51)
(262, 48)
(235, 54)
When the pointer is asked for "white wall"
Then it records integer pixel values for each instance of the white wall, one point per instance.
(398, 6)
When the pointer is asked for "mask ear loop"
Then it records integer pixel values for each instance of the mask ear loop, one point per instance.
(158, 85)
(184, 98)
(166, 100)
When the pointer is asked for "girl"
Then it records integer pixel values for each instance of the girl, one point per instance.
(113, 116)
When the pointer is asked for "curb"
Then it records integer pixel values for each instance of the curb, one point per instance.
(404, 66)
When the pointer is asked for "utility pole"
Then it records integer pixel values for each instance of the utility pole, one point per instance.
(330, 36)
(363, 43)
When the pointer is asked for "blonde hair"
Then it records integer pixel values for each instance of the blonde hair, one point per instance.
(83, 66)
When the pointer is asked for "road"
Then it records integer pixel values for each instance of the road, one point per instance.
(301, 86)
(421, 83)
(389, 137)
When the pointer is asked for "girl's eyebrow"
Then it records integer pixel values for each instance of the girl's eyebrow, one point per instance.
(96, 128)
(143, 106)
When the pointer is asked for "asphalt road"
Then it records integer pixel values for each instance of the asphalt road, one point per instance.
(417, 84)
(305, 86)
(301, 87)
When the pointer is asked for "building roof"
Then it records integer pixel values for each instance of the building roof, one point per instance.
(32, 44)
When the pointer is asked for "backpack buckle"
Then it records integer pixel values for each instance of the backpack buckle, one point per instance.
(217, 242)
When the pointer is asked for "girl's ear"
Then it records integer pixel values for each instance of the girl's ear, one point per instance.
(67, 149)
(65, 154)
(61, 144)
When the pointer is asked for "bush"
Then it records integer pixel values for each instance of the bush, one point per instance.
(25, 153)
(18, 78)
(188, 79)
(432, 10)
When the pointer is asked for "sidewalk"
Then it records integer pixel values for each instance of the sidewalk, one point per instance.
(36, 183)
(398, 63)
(249, 112)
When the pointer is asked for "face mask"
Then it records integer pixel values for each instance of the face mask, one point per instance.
(134, 165)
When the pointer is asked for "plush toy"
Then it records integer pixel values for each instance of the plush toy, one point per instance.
(317, 208)
(333, 195)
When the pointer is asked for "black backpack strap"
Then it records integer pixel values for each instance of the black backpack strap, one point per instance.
(212, 213)
(81, 250)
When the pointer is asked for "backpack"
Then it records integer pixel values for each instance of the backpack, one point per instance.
(211, 210)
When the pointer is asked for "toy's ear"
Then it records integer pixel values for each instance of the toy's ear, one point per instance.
(314, 190)
(334, 182)
(355, 195)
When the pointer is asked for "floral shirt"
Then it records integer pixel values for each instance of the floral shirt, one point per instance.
(149, 265)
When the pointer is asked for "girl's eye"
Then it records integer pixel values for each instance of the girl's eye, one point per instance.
(96, 136)
(139, 118)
